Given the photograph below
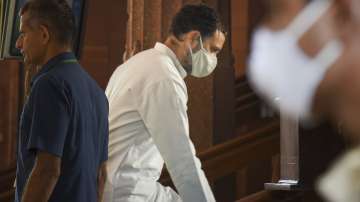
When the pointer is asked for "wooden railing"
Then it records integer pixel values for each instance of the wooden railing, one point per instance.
(231, 156)
(235, 155)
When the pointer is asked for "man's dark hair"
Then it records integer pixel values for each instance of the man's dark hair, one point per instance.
(56, 15)
(196, 18)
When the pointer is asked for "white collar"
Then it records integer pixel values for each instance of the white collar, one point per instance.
(166, 50)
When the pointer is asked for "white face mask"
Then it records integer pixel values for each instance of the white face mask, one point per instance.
(203, 62)
(279, 69)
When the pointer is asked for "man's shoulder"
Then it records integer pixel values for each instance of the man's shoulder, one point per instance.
(45, 80)
(151, 57)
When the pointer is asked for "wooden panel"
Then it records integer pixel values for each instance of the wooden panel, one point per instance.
(200, 110)
(6, 185)
(234, 155)
(153, 18)
(225, 188)
(282, 196)
(318, 148)
(135, 27)
(224, 86)
(262, 196)
(116, 33)
(169, 9)
(191, 1)
(251, 112)
(104, 41)
(9, 104)
(241, 183)
(9, 99)
(239, 38)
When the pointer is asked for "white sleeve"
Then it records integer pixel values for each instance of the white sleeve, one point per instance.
(164, 113)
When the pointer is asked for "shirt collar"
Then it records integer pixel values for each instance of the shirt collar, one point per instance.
(51, 63)
(166, 50)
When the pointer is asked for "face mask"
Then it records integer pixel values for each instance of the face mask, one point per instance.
(203, 62)
(281, 72)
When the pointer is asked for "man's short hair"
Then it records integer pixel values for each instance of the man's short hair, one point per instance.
(196, 18)
(56, 15)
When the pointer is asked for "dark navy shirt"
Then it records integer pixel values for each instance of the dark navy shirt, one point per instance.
(66, 115)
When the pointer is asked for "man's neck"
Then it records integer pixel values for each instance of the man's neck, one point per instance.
(171, 43)
(52, 52)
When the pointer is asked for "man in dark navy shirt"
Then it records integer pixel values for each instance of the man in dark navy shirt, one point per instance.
(63, 138)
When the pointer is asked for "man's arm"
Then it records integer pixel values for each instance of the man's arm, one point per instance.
(163, 109)
(43, 178)
(102, 174)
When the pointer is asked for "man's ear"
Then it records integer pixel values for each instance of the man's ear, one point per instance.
(193, 38)
(45, 34)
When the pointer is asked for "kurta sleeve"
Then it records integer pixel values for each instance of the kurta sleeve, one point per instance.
(163, 109)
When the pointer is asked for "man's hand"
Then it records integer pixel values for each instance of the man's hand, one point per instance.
(43, 178)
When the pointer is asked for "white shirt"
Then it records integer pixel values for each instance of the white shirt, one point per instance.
(149, 125)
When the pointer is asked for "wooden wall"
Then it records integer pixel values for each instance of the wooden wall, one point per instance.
(9, 108)
(104, 38)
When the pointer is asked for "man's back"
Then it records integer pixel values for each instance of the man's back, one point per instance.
(135, 163)
(82, 141)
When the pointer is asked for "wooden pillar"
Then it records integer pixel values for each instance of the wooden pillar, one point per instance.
(152, 22)
(134, 28)
(169, 9)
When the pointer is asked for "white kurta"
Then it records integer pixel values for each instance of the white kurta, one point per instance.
(149, 125)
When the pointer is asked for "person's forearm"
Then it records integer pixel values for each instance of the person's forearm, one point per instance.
(39, 186)
(101, 182)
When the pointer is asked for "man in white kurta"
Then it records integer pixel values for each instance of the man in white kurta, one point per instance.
(149, 126)
(148, 123)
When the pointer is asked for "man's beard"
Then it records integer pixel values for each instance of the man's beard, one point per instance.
(187, 63)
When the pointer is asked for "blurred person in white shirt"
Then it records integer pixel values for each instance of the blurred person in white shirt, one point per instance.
(305, 62)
